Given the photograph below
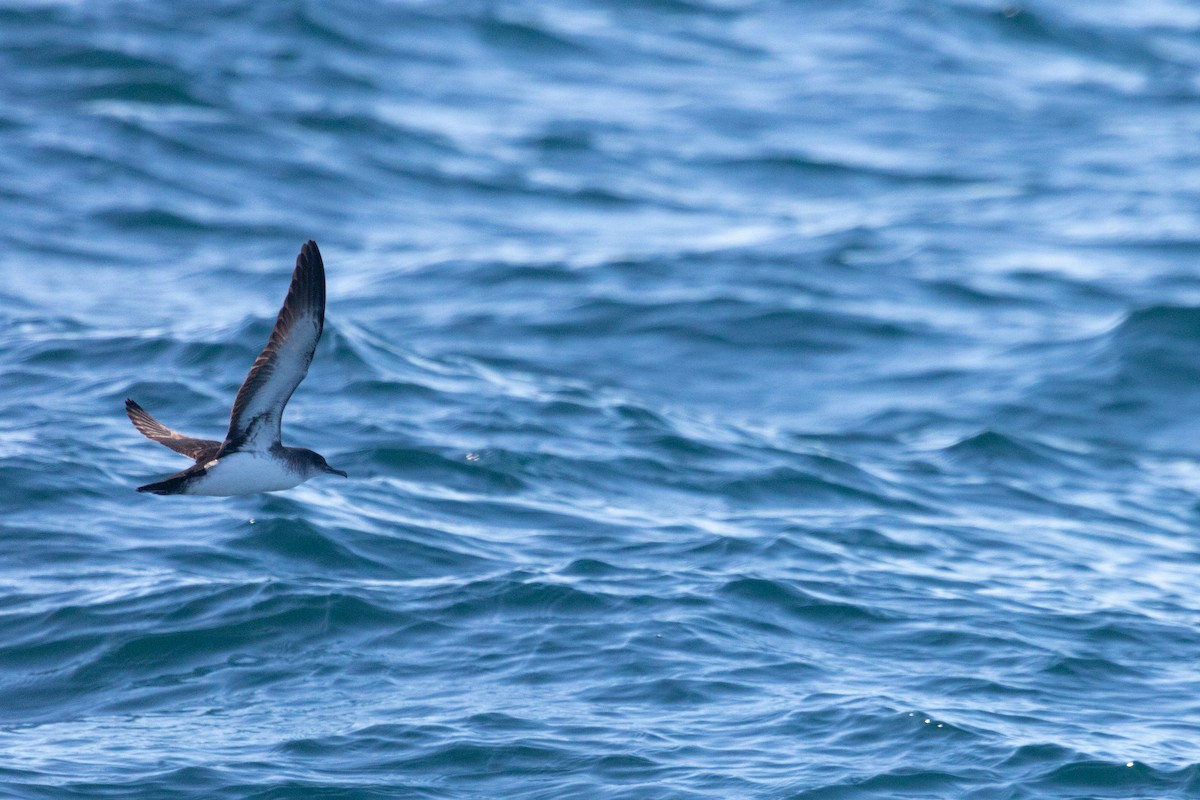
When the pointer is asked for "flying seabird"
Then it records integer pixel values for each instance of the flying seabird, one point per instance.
(252, 459)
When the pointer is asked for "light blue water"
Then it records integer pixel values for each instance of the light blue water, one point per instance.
(741, 399)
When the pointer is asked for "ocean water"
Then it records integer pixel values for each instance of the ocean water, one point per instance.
(742, 399)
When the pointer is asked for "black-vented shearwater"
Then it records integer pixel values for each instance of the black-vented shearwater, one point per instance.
(252, 459)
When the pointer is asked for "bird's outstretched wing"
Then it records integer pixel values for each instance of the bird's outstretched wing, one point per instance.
(283, 363)
(199, 450)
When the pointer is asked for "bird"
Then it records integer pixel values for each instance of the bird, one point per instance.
(252, 458)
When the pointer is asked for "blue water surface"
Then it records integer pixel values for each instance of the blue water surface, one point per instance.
(742, 399)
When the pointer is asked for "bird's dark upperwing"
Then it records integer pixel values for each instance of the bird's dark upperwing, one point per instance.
(199, 450)
(283, 363)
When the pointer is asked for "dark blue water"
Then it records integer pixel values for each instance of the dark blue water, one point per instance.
(741, 399)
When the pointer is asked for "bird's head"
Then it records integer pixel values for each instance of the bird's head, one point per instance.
(317, 463)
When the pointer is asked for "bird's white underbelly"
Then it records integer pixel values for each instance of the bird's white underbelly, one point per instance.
(245, 473)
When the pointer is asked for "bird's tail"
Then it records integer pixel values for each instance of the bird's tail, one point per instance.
(172, 485)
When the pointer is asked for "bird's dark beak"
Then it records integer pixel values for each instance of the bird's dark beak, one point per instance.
(333, 471)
